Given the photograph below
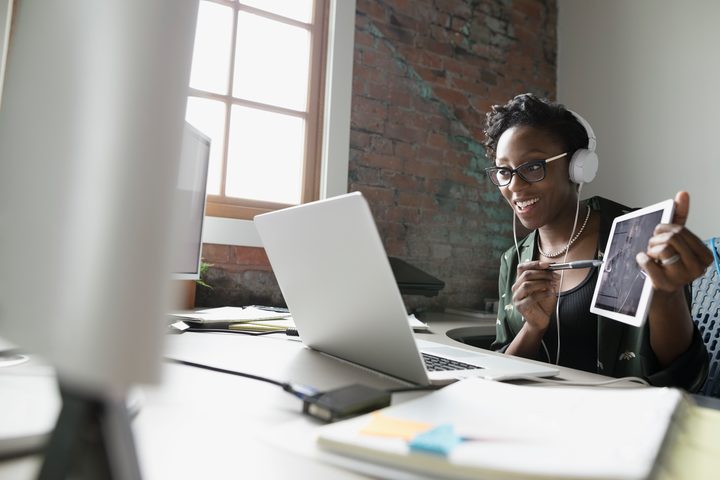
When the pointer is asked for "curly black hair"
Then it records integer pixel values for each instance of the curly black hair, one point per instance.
(529, 110)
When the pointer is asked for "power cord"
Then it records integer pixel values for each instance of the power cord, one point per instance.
(329, 406)
(301, 391)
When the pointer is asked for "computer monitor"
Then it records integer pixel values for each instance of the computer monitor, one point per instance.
(91, 125)
(189, 207)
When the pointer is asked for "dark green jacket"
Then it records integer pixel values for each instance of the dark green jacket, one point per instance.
(623, 350)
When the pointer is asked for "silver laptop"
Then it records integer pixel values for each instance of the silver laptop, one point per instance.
(336, 279)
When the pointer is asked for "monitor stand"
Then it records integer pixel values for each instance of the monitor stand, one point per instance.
(10, 358)
(10, 354)
(92, 439)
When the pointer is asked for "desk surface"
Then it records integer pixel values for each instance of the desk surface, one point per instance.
(202, 424)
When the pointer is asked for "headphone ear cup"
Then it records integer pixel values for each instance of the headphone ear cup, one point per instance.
(583, 166)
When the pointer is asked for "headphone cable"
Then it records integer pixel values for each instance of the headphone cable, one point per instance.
(562, 274)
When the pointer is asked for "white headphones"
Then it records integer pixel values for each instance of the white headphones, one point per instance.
(584, 162)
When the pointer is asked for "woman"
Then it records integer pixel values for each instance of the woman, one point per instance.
(539, 138)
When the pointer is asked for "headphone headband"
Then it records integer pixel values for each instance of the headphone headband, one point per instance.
(592, 141)
(584, 162)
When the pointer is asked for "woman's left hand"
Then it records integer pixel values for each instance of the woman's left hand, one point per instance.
(675, 256)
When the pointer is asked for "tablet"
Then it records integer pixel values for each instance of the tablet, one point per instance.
(623, 291)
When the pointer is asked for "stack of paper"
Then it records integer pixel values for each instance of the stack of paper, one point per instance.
(269, 325)
(228, 315)
(478, 428)
(258, 319)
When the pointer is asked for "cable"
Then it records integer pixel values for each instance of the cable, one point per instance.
(287, 386)
(291, 332)
(301, 391)
(517, 249)
(330, 405)
(586, 384)
(562, 273)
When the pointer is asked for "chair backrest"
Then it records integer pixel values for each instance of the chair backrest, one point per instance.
(706, 314)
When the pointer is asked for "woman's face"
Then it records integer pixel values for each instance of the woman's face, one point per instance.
(540, 203)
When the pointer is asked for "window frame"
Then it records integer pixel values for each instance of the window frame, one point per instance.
(335, 131)
(242, 208)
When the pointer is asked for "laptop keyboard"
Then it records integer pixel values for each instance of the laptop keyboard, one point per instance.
(436, 364)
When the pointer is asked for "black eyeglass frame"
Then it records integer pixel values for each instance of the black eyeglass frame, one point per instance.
(491, 172)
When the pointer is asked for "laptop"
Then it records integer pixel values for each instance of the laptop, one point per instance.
(335, 276)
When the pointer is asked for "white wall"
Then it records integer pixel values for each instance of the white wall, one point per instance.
(646, 75)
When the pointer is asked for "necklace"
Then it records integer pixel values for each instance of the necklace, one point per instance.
(557, 253)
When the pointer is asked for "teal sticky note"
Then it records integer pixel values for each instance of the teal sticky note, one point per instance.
(439, 440)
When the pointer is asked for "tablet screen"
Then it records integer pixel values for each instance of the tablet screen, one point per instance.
(623, 291)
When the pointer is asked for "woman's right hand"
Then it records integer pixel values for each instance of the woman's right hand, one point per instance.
(535, 294)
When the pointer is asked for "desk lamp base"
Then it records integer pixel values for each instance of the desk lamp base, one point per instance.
(92, 439)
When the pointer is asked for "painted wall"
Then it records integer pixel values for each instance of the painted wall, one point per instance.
(646, 75)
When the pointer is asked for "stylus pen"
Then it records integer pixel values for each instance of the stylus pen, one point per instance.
(576, 264)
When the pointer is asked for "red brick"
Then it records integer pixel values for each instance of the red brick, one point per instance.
(382, 145)
(404, 150)
(415, 199)
(214, 253)
(400, 132)
(381, 161)
(437, 141)
(364, 39)
(249, 256)
(451, 96)
(372, 9)
(376, 59)
(358, 139)
(405, 182)
(379, 195)
(403, 214)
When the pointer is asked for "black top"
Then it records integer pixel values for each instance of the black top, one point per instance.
(578, 328)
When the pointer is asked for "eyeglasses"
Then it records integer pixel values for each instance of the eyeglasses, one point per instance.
(531, 172)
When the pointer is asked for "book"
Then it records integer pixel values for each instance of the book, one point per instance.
(479, 428)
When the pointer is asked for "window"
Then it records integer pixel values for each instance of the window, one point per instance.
(256, 89)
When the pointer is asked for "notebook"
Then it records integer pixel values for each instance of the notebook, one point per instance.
(480, 429)
(334, 274)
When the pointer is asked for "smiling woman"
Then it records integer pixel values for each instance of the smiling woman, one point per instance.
(534, 144)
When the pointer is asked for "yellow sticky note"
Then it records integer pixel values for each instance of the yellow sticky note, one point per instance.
(385, 426)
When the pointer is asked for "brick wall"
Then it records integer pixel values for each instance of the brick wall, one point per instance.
(425, 73)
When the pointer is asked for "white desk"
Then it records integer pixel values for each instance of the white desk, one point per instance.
(202, 424)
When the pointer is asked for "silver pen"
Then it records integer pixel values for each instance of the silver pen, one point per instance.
(575, 264)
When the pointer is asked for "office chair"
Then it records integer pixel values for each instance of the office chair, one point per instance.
(706, 314)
